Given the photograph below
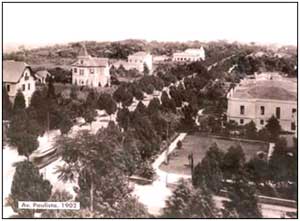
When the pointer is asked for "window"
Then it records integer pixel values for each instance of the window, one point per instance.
(241, 121)
(29, 87)
(262, 122)
(262, 110)
(242, 110)
(23, 87)
(81, 61)
(81, 71)
(91, 70)
(278, 112)
(75, 70)
(294, 110)
(8, 88)
(293, 126)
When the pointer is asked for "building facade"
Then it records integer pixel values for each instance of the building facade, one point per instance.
(261, 98)
(90, 71)
(190, 55)
(18, 76)
(137, 60)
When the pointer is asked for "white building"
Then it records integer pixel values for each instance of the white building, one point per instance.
(138, 60)
(42, 76)
(90, 71)
(18, 75)
(190, 55)
(259, 98)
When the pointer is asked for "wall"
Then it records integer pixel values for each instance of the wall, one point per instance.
(252, 111)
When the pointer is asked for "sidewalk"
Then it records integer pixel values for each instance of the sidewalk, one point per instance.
(155, 194)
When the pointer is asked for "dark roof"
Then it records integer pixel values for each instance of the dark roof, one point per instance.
(13, 70)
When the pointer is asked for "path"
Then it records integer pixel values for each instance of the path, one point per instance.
(153, 196)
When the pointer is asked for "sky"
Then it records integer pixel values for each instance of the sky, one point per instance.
(44, 24)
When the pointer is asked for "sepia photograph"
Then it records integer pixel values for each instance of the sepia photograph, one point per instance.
(149, 110)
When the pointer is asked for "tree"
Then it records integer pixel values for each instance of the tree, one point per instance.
(51, 89)
(250, 130)
(19, 103)
(274, 128)
(7, 105)
(91, 100)
(61, 196)
(146, 70)
(242, 200)
(28, 185)
(187, 202)
(153, 106)
(141, 108)
(98, 162)
(106, 102)
(233, 162)
(23, 133)
(208, 171)
(123, 118)
(278, 162)
(89, 115)
(258, 169)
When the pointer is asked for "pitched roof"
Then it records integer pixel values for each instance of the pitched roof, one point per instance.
(268, 89)
(91, 62)
(140, 53)
(42, 73)
(13, 70)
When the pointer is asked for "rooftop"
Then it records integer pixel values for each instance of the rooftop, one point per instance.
(13, 70)
(267, 89)
(140, 54)
(91, 62)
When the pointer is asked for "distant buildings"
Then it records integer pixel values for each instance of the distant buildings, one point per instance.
(160, 59)
(140, 59)
(259, 98)
(136, 61)
(190, 55)
(90, 71)
(18, 75)
(42, 76)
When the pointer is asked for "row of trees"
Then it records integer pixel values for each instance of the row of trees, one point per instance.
(217, 166)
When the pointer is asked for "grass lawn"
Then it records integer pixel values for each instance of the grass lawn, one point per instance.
(198, 145)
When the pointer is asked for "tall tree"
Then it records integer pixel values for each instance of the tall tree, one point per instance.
(234, 161)
(274, 128)
(28, 185)
(7, 105)
(208, 171)
(146, 70)
(23, 133)
(19, 103)
(250, 130)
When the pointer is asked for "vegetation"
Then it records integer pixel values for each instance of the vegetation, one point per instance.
(187, 202)
(28, 185)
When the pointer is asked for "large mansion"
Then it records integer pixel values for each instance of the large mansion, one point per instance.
(90, 71)
(18, 75)
(259, 98)
(190, 55)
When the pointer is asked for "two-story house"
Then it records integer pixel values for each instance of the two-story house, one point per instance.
(90, 71)
(18, 75)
